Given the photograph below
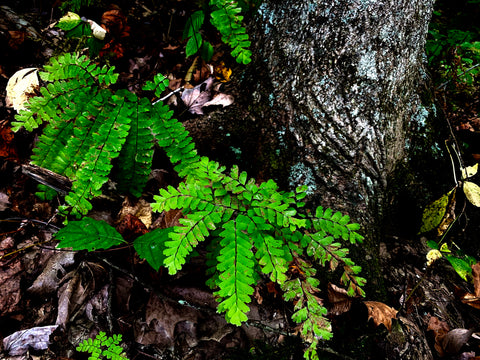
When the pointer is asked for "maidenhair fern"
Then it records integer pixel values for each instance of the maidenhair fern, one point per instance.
(88, 124)
(251, 230)
(226, 18)
(103, 346)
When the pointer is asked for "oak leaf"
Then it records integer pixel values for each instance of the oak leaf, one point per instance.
(381, 313)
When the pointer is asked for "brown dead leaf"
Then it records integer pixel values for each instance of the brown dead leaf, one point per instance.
(440, 329)
(339, 299)
(79, 286)
(381, 313)
(115, 22)
(454, 340)
(222, 72)
(141, 209)
(202, 96)
(131, 227)
(470, 299)
(10, 278)
(4, 203)
(48, 281)
(476, 278)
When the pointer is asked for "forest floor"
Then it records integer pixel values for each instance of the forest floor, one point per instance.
(60, 296)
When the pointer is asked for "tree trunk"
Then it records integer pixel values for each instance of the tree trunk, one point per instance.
(345, 79)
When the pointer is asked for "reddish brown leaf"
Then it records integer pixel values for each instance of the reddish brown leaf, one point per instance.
(339, 299)
(440, 329)
(381, 313)
(131, 227)
(470, 299)
(115, 22)
(476, 278)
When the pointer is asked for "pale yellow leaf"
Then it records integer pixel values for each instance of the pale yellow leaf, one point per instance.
(472, 192)
(21, 86)
(98, 31)
(469, 171)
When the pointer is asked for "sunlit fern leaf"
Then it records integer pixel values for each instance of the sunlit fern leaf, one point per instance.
(227, 19)
(236, 267)
(137, 153)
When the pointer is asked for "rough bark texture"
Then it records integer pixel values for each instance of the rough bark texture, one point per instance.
(344, 77)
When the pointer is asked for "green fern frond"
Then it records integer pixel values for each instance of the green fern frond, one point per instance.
(236, 267)
(227, 20)
(137, 153)
(111, 135)
(103, 346)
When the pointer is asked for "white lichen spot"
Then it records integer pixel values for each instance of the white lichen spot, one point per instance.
(302, 175)
(367, 66)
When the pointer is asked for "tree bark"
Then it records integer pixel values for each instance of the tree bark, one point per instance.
(345, 81)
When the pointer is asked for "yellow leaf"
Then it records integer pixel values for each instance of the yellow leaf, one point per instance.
(469, 171)
(432, 256)
(434, 213)
(472, 192)
(21, 86)
(223, 73)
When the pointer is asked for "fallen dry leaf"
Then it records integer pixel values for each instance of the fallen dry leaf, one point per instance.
(470, 299)
(440, 329)
(454, 340)
(20, 87)
(476, 278)
(201, 96)
(115, 23)
(339, 299)
(141, 209)
(4, 203)
(48, 281)
(37, 338)
(381, 313)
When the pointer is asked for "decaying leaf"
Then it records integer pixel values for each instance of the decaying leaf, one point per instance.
(454, 340)
(381, 313)
(339, 299)
(10, 278)
(440, 329)
(20, 87)
(435, 212)
(222, 72)
(448, 342)
(469, 171)
(142, 210)
(476, 278)
(4, 203)
(37, 338)
(201, 96)
(48, 281)
(472, 192)
(473, 300)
